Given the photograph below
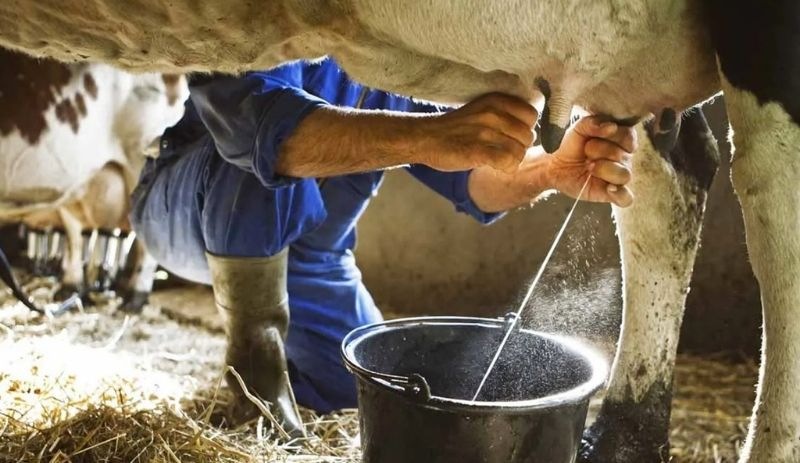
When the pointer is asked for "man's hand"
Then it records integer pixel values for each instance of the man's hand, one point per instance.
(602, 149)
(493, 130)
(590, 147)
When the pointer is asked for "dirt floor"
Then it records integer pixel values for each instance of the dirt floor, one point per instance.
(96, 385)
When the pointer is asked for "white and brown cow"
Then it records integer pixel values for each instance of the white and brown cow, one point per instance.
(627, 59)
(71, 147)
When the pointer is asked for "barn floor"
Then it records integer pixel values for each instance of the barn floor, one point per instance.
(97, 386)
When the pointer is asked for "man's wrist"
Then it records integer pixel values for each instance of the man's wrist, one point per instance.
(545, 179)
(412, 137)
(533, 178)
(492, 190)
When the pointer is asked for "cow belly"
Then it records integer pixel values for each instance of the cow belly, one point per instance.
(619, 57)
(60, 162)
(54, 146)
(212, 35)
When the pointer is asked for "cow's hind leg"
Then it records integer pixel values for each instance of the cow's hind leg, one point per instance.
(766, 176)
(72, 281)
(658, 238)
(759, 60)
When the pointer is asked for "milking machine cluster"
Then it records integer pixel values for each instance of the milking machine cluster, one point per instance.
(104, 255)
(44, 251)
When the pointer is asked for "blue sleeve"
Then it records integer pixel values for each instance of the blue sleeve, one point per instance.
(453, 186)
(424, 107)
(250, 117)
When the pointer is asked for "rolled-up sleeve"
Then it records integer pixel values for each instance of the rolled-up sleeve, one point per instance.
(249, 118)
(454, 187)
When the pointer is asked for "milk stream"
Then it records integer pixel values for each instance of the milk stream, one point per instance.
(531, 288)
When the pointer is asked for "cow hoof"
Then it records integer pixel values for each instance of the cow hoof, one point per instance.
(628, 433)
(604, 445)
(66, 291)
(133, 302)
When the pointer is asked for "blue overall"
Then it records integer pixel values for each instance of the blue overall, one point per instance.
(214, 187)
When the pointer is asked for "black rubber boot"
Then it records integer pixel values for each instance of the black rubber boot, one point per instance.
(251, 294)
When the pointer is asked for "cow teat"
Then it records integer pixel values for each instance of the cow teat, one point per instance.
(555, 116)
(664, 130)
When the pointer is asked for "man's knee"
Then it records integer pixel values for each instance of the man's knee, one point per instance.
(165, 217)
(322, 398)
(319, 378)
(242, 217)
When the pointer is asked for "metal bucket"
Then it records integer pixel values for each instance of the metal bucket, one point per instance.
(416, 378)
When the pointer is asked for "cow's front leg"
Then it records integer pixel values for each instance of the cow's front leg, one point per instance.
(658, 238)
(135, 283)
(766, 176)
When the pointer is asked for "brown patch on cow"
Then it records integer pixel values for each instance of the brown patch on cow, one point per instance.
(80, 103)
(28, 87)
(65, 112)
(173, 89)
(90, 85)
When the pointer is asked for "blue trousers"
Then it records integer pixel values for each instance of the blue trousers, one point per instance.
(193, 201)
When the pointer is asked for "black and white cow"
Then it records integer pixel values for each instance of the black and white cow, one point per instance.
(627, 59)
(71, 147)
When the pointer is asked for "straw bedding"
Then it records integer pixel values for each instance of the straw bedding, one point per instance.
(96, 386)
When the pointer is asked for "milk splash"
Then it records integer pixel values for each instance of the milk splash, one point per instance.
(529, 293)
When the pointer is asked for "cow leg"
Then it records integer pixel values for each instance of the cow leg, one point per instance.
(658, 238)
(136, 282)
(72, 279)
(766, 172)
(759, 74)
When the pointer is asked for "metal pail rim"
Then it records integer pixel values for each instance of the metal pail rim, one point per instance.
(399, 384)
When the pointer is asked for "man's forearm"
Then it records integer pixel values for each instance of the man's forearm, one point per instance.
(496, 191)
(493, 130)
(332, 141)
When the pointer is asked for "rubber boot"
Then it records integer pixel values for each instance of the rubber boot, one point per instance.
(251, 295)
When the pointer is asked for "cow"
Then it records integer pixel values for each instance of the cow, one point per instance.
(630, 60)
(72, 139)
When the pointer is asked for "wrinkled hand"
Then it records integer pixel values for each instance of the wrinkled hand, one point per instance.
(602, 149)
(493, 130)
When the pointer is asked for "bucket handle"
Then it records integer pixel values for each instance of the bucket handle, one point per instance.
(414, 385)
